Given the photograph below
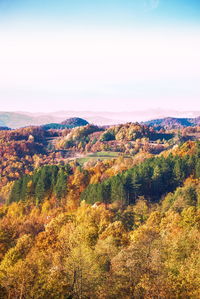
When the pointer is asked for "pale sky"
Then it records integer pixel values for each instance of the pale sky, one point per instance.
(119, 57)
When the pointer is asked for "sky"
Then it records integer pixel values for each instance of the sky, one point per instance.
(100, 55)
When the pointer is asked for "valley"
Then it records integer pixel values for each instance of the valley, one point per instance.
(82, 207)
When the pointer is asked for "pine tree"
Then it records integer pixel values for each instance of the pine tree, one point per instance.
(24, 188)
(15, 194)
(136, 186)
(117, 190)
(197, 169)
(40, 189)
(61, 184)
(106, 192)
(178, 172)
(157, 181)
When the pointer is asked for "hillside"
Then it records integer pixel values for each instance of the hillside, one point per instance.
(17, 120)
(23, 119)
(75, 122)
(99, 212)
(4, 128)
(173, 123)
(70, 231)
(67, 124)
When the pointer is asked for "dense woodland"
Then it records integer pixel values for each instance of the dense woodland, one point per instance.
(123, 226)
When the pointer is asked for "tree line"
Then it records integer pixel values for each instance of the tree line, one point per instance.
(46, 181)
(152, 179)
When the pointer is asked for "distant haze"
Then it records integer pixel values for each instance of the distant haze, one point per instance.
(21, 119)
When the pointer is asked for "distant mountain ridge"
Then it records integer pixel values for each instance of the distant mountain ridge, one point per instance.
(2, 128)
(102, 118)
(173, 122)
(16, 120)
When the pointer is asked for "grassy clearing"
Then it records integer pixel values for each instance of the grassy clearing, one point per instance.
(105, 154)
(100, 156)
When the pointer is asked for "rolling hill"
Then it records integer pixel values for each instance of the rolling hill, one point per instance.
(159, 117)
(75, 122)
(173, 122)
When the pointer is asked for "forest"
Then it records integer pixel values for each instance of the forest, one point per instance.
(123, 226)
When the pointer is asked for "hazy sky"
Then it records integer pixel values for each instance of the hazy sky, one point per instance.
(108, 55)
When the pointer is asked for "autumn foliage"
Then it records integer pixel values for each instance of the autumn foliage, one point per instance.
(123, 227)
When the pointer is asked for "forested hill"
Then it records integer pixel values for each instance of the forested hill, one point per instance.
(150, 179)
(4, 128)
(67, 124)
(103, 213)
(24, 150)
(173, 122)
(44, 183)
(75, 122)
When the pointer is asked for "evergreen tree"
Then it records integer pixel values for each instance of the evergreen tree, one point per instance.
(40, 189)
(178, 172)
(117, 190)
(106, 192)
(157, 187)
(54, 175)
(128, 187)
(15, 194)
(61, 184)
(24, 188)
(197, 169)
